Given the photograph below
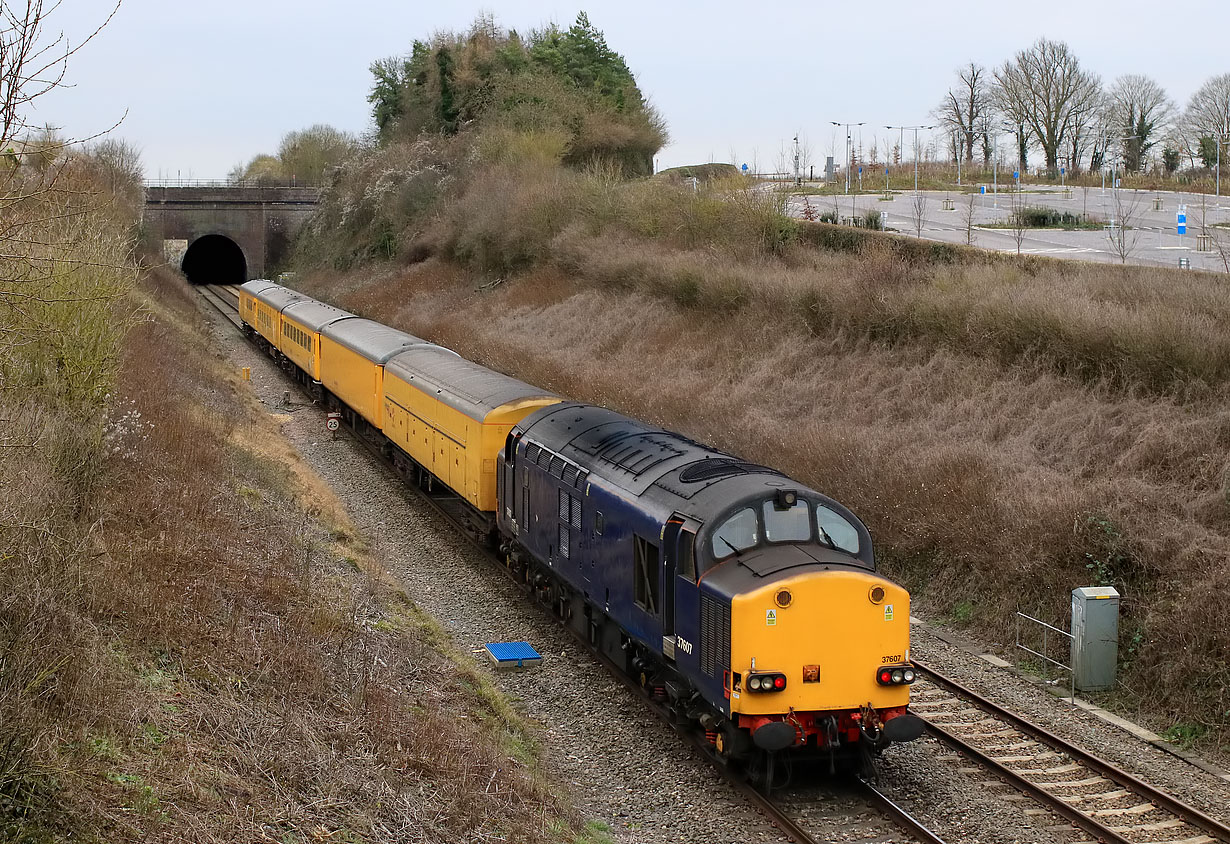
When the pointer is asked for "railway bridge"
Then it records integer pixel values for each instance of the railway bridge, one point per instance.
(222, 233)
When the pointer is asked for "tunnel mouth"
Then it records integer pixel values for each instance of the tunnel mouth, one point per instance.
(215, 259)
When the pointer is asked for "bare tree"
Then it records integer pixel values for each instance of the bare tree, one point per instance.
(1121, 232)
(1102, 134)
(1018, 219)
(965, 107)
(1089, 132)
(967, 217)
(1217, 235)
(31, 65)
(1208, 113)
(1141, 110)
(308, 154)
(1045, 90)
(918, 212)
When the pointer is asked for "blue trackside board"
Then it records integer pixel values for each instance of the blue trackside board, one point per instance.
(513, 654)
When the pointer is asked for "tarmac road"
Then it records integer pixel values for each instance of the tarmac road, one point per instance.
(1151, 236)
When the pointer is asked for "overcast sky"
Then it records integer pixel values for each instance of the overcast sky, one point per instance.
(207, 85)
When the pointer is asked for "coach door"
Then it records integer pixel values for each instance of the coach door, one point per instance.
(680, 598)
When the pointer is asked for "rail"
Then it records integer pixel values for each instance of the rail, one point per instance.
(1043, 789)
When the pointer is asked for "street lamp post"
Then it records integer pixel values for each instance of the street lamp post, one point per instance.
(849, 149)
(915, 130)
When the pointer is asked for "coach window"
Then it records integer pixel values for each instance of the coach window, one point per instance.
(836, 531)
(793, 524)
(737, 533)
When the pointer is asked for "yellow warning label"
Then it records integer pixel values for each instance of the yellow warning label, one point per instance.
(770, 618)
(888, 612)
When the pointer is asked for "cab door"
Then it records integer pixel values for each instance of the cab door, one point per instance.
(680, 596)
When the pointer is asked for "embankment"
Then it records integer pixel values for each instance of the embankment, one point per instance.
(1008, 430)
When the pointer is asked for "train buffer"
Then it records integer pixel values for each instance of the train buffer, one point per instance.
(513, 654)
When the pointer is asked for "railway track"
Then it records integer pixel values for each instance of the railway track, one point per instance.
(225, 299)
(1107, 803)
(1103, 800)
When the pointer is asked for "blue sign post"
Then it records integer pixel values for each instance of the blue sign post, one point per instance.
(1181, 220)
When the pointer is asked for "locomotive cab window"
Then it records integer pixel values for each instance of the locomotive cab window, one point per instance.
(836, 531)
(687, 555)
(645, 564)
(792, 524)
(738, 533)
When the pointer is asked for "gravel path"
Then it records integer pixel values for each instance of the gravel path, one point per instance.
(623, 767)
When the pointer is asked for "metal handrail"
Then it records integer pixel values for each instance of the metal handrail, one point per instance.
(229, 183)
(1043, 656)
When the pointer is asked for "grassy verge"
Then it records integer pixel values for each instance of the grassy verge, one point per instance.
(220, 660)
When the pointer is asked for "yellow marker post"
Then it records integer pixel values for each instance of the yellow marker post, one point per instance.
(247, 373)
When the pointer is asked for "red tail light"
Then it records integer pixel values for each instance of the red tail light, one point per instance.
(766, 682)
(895, 675)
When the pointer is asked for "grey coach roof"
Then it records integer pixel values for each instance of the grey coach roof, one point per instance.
(315, 315)
(372, 340)
(461, 384)
(278, 297)
(256, 285)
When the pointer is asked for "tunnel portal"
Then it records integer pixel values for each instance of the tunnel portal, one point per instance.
(215, 259)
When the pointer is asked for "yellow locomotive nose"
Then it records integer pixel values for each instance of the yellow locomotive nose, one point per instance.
(827, 634)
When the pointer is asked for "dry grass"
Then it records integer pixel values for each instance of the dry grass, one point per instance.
(725, 246)
(988, 480)
(218, 659)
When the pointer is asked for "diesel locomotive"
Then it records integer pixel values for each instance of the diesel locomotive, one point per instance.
(746, 602)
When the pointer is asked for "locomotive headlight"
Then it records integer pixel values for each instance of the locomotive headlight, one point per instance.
(784, 499)
(899, 676)
(908, 675)
(753, 683)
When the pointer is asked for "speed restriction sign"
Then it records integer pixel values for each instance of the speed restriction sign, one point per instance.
(334, 421)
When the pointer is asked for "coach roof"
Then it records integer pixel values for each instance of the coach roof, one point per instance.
(370, 339)
(256, 285)
(278, 297)
(461, 384)
(315, 315)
